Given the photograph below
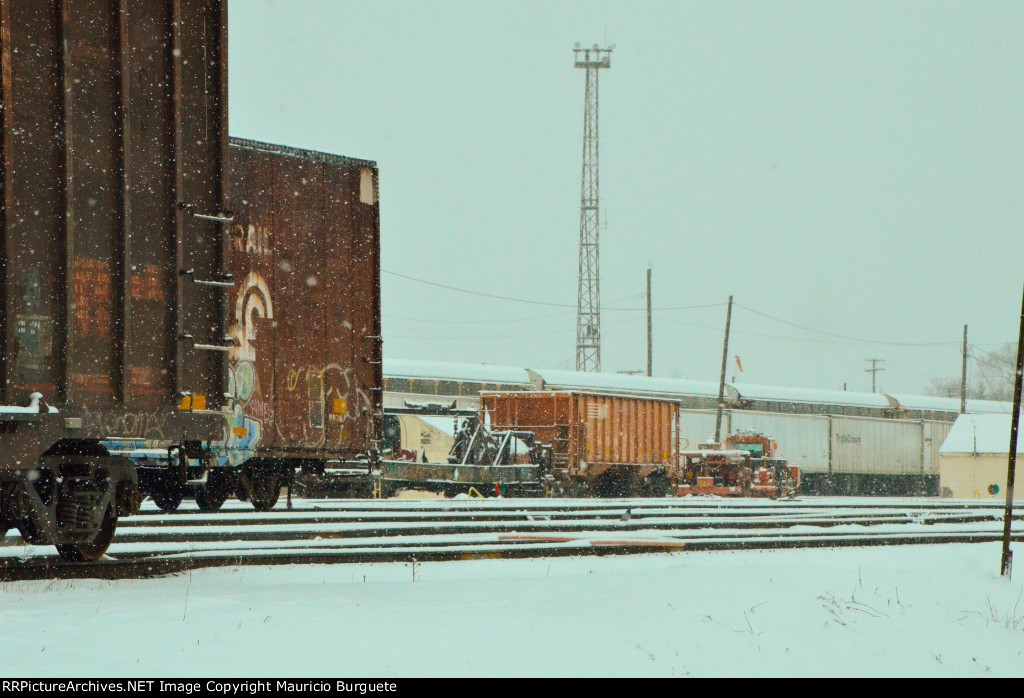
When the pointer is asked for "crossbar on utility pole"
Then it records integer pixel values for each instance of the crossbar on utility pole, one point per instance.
(1007, 559)
(874, 370)
(721, 381)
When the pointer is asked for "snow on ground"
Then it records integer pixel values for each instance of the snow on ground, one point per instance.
(936, 610)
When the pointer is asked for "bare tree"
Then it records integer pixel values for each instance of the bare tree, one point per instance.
(950, 387)
(990, 376)
(995, 371)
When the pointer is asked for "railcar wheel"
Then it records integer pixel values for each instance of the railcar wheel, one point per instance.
(211, 498)
(94, 549)
(168, 500)
(22, 518)
(212, 495)
(657, 485)
(266, 488)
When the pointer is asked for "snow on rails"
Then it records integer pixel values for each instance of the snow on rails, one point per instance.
(418, 531)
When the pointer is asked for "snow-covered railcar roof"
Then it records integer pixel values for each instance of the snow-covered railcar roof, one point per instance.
(812, 396)
(445, 425)
(617, 382)
(950, 404)
(450, 371)
(672, 387)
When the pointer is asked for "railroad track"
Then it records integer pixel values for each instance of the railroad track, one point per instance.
(338, 531)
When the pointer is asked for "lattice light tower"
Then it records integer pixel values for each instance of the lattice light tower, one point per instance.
(588, 303)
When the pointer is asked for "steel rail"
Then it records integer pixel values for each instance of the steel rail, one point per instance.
(153, 566)
(392, 531)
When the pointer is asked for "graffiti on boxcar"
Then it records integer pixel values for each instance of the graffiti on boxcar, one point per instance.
(151, 426)
(334, 398)
(253, 302)
(249, 410)
(251, 239)
(34, 331)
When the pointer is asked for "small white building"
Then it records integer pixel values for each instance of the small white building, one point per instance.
(973, 458)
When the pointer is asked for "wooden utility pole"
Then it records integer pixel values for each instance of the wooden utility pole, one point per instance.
(721, 381)
(1011, 468)
(874, 370)
(963, 376)
(650, 335)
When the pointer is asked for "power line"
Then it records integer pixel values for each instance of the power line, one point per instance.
(843, 336)
(1003, 370)
(749, 333)
(475, 293)
(847, 338)
(986, 353)
(457, 338)
(534, 302)
(718, 330)
(500, 320)
(547, 330)
(477, 322)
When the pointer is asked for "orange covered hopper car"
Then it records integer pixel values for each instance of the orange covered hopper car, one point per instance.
(606, 445)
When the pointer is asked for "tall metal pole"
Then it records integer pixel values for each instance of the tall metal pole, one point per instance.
(721, 381)
(963, 376)
(588, 300)
(1007, 559)
(650, 335)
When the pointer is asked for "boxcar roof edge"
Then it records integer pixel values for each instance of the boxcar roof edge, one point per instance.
(301, 153)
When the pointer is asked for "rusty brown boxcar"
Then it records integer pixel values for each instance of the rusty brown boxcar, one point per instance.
(305, 371)
(115, 231)
(604, 444)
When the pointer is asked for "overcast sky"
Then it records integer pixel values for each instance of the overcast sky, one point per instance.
(850, 167)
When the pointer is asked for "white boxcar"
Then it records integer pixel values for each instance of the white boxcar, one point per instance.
(432, 437)
(877, 446)
(934, 434)
(698, 426)
(802, 439)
